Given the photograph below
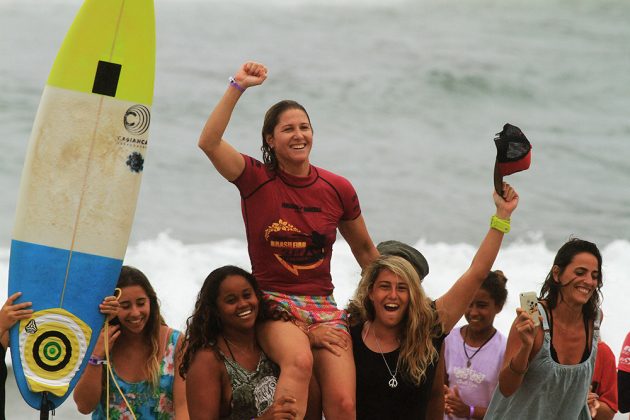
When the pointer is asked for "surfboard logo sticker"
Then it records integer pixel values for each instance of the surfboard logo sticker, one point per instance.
(135, 161)
(52, 354)
(137, 119)
(31, 327)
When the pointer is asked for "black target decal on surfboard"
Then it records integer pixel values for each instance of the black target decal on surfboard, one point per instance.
(52, 351)
(52, 355)
(137, 119)
(106, 78)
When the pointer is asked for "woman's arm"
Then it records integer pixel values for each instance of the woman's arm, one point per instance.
(356, 234)
(203, 386)
(452, 305)
(10, 314)
(455, 406)
(604, 412)
(179, 386)
(522, 343)
(87, 393)
(604, 383)
(435, 408)
(227, 160)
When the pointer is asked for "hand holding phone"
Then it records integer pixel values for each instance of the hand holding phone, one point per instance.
(529, 303)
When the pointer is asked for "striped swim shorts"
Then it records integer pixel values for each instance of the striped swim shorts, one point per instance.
(307, 312)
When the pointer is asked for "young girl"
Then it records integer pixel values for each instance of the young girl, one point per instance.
(547, 371)
(473, 354)
(227, 374)
(142, 351)
(292, 211)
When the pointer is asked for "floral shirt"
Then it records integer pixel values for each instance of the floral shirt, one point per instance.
(147, 403)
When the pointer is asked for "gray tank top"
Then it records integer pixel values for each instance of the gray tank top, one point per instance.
(252, 392)
(549, 390)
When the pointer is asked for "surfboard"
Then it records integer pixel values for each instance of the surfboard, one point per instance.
(78, 192)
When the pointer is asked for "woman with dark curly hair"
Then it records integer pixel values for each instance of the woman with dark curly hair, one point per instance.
(227, 374)
(547, 371)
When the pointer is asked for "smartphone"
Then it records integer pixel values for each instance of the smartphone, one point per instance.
(114, 321)
(529, 302)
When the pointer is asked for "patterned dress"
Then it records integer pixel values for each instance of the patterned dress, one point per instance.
(252, 391)
(146, 402)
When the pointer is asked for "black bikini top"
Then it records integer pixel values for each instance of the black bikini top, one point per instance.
(552, 350)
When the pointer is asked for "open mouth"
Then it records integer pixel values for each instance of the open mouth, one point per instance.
(391, 307)
(135, 322)
(298, 146)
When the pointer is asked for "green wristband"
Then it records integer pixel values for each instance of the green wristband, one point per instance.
(502, 225)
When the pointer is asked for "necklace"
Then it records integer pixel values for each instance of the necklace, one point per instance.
(393, 383)
(468, 363)
(227, 344)
(238, 349)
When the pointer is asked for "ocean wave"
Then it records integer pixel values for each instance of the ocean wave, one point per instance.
(177, 271)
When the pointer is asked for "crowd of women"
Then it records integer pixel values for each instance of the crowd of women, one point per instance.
(273, 344)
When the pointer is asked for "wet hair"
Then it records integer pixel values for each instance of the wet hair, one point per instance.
(131, 276)
(494, 284)
(550, 290)
(420, 323)
(272, 116)
(204, 326)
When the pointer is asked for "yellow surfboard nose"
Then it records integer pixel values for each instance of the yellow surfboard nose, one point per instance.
(117, 61)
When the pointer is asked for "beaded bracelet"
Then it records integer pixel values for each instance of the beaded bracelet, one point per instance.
(95, 361)
(235, 85)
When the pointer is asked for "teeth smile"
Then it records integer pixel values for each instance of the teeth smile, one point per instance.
(298, 146)
(244, 313)
(391, 306)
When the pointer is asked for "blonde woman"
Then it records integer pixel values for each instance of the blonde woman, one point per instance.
(397, 331)
(143, 358)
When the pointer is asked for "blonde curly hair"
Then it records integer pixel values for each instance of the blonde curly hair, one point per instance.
(420, 324)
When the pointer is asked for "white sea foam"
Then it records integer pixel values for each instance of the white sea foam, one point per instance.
(177, 271)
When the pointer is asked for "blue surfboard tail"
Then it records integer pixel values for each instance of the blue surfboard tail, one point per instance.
(51, 348)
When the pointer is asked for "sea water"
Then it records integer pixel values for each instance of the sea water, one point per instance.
(405, 98)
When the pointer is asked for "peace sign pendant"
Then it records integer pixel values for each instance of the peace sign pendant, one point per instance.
(393, 383)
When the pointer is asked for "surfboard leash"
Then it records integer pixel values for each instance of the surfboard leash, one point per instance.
(117, 293)
(46, 407)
